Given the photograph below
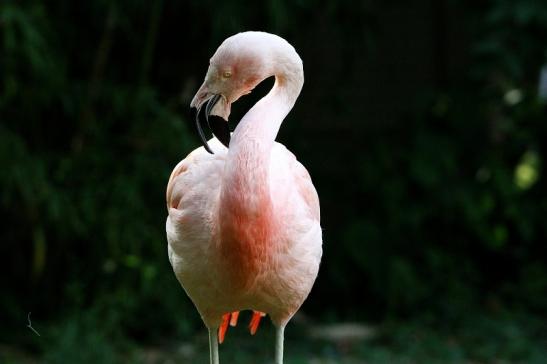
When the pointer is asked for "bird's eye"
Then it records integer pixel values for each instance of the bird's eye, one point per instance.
(227, 74)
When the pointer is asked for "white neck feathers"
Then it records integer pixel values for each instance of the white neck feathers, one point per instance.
(246, 174)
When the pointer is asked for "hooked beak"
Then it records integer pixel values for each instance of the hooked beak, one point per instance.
(218, 125)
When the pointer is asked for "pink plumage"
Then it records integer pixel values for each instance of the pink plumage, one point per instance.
(243, 227)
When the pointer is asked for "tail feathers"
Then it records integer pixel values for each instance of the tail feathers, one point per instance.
(255, 321)
(223, 328)
(230, 319)
(233, 319)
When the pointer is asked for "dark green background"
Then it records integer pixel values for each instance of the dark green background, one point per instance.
(419, 121)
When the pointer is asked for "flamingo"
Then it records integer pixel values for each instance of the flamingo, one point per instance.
(243, 225)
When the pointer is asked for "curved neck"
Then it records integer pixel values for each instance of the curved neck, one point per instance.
(245, 185)
(262, 122)
(247, 220)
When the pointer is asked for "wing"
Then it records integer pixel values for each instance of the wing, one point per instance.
(199, 168)
(307, 190)
(296, 200)
(289, 174)
(192, 196)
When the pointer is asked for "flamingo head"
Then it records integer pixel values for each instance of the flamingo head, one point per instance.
(239, 64)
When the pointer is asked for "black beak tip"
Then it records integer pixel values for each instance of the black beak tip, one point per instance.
(216, 124)
(199, 120)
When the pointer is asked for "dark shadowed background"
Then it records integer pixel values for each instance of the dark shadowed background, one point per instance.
(421, 123)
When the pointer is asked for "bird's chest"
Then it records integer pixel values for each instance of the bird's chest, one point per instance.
(248, 241)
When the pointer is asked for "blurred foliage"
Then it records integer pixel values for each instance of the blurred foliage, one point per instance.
(504, 338)
(425, 142)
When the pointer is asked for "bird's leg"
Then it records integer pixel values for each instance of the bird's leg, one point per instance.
(213, 346)
(279, 337)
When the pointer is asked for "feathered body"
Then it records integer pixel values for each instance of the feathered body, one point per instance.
(243, 227)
